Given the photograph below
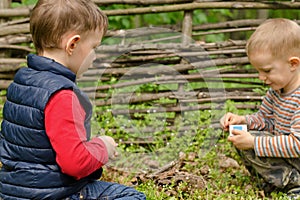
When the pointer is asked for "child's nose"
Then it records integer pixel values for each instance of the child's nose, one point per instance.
(262, 77)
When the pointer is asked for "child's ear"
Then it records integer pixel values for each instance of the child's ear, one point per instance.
(72, 43)
(294, 62)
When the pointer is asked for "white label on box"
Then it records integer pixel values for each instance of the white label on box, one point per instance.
(241, 127)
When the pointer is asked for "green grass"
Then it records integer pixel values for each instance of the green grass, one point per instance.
(230, 183)
(209, 145)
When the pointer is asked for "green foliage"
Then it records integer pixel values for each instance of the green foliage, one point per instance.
(29, 2)
(170, 18)
(262, 90)
(24, 3)
(119, 22)
(153, 192)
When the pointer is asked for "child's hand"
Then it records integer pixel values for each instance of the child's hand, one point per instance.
(110, 146)
(242, 140)
(230, 119)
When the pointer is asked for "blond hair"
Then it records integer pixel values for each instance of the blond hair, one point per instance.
(280, 37)
(51, 19)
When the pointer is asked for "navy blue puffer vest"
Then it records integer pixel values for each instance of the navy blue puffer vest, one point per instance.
(29, 169)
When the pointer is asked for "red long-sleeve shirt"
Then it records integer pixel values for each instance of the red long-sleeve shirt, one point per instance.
(64, 123)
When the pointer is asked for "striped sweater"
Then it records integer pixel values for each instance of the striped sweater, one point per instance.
(280, 115)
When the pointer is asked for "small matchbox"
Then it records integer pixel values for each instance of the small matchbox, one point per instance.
(241, 127)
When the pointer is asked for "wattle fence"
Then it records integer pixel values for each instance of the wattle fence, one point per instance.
(158, 78)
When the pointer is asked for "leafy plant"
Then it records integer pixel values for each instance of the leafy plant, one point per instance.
(24, 3)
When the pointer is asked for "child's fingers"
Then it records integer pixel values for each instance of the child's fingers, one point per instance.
(222, 121)
(228, 119)
(232, 138)
(237, 132)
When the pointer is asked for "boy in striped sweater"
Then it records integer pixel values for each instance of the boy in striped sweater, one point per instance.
(272, 147)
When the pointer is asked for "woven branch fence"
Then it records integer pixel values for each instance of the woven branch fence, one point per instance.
(157, 78)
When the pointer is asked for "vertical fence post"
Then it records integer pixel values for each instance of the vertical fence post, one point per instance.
(187, 28)
(5, 4)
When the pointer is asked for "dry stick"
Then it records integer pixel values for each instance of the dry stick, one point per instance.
(204, 33)
(25, 12)
(157, 53)
(225, 31)
(222, 98)
(187, 29)
(169, 46)
(229, 24)
(152, 59)
(239, 60)
(14, 12)
(7, 76)
(16, 47)
(183, 97)
(205, 5)
(14, 29)
(174, 109)
(237, 50)
(159, 69)
(186, 36)
(4, 84)
(170, 77)
(10, 64)
(204, 27)
(139, 2)
(17, 26)
(171, 109)
(163, 168)
(201, 92)
(16, 39)
(5, 4)
(170, 74)
(14, 22)
(146, 56)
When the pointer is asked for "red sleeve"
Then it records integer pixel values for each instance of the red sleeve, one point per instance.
(64, 123)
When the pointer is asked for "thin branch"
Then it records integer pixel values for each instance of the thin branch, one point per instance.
(16, 47)
(25, 12)
(16, 39)
(4, 84)
(205, 5)
(10, 64)
(14, 29)
(169, 47)
(139, 2)
(225, 31)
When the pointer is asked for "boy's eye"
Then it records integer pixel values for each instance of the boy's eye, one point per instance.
(267, 70)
